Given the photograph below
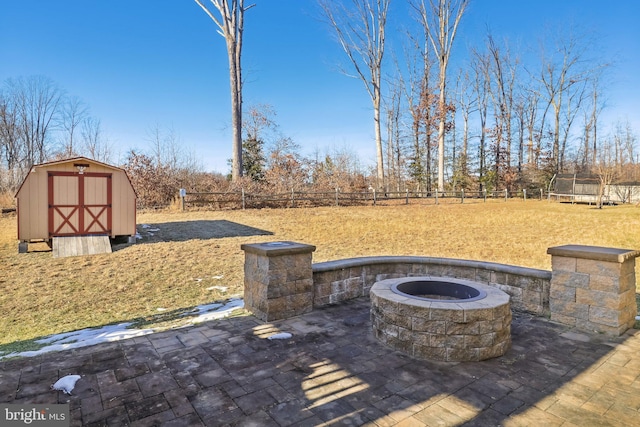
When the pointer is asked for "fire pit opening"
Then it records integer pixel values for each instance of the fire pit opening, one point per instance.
(438, 290)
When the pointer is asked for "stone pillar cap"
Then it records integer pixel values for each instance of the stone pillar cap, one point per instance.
(597, 253)
(277, 248)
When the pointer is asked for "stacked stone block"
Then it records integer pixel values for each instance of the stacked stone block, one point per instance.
(338, 281)
(278, 279)
(442, 331)
(593, 288)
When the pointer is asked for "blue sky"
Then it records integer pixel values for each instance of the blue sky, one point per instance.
(142, 63)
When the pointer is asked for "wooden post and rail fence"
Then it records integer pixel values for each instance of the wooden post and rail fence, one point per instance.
(245, 200)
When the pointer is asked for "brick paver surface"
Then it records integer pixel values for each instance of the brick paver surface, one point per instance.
(333, 372)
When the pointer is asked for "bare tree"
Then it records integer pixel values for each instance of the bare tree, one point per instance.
(230, 22)
(73, 113)
(10, 141)
(440, 19)
(166, 147)
(415, 84)
(423, 105)
(481, 86)
(260, 118)
(563, 76)
(590, 138)
(95, 145)
(285, 166)
(417, 169)
(624, 142)
(468, 103)
(606, 170)
(37, 102)
(29, 114)
(503, 77)
(11, 147)
(395, 157)
(361, 33)
(529, 100)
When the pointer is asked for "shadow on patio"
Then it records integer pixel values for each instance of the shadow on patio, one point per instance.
(333, 372)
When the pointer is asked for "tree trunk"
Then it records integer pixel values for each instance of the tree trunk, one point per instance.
(235, 81)
(378, 133)
(441, 31)
(441, 130)
(231, 25)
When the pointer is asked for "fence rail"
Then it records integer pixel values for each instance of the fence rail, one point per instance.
(293, 199)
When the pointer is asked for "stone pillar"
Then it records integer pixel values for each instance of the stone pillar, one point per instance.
(278, 280)
(593, 288)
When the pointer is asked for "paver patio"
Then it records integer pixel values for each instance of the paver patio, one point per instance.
(333, 372)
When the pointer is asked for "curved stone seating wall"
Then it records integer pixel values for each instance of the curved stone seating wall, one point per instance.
(341, 280)
(590, 287)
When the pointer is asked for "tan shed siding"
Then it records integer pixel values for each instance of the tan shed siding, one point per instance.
(117, 205)
(33, 203)
(124, 205)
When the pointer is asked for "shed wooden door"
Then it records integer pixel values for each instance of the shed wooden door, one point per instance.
(79, 204)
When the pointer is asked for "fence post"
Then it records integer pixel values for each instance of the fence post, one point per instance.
(541, 194)
(293, 200)
(436, 196)
(506, 194)
(524, 192)
(183, 194)
(484, 194)
(374, 197)
(462, 196)
(407, 197)
(243, 203)
(336, 196)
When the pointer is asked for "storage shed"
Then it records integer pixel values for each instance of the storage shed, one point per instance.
(75, 197)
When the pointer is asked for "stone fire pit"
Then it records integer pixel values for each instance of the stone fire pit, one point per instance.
(441, 319)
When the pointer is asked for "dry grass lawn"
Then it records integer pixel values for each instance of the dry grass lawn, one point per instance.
(180, 265)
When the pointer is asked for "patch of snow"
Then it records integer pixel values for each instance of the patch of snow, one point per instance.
(138, 236)
(155, 230)
(83, 338)
(219, 288)
(198, 279)
(217, 310)
(637, 317)
(145, 226)
(121, 331)
(280, 336)
(150, 234)
(218, 277)
(161, 309)
(66, 383)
